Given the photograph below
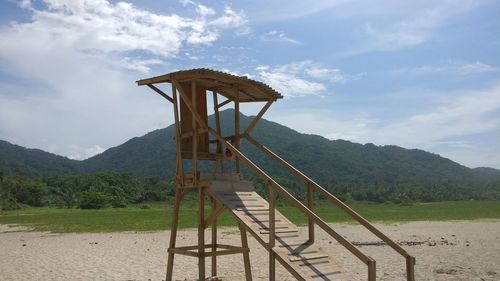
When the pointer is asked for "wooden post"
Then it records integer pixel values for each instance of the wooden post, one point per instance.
(214, 238)
(201, 232)
(272, 233)
(179, 165)
(173, 233)
(194, 160)
(372, 270)
(246, 254)
(410, 268)
(310, 205)
(237, 128)
(218, 128)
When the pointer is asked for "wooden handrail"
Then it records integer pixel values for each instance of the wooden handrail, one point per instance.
(410, 260)
(296, 203)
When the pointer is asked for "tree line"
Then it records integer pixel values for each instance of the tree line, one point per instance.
(85, 191)
(118, 190)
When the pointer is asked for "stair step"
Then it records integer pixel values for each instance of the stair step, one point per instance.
(286, 230)
(306, 257)
(291, 245)
(323, 275)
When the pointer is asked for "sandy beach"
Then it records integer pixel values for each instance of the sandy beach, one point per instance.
(464, 250)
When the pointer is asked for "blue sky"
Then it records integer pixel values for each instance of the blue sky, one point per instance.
(418, 74)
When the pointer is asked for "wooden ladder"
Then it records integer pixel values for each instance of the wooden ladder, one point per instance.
(292, 248)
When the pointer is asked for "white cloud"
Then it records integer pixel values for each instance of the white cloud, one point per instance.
(300, 78)
(230, 19)
(75, 64)
(453, 68)
(104, 27)
(413, 28)
(139, 65)
(278, 36)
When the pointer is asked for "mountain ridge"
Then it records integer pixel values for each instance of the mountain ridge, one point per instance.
(328, 161)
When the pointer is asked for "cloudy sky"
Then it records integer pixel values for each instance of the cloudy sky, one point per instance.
(418, 74)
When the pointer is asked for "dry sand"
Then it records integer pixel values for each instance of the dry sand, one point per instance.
(465, 250)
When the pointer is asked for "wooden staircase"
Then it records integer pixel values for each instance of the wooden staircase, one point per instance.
(292, 248)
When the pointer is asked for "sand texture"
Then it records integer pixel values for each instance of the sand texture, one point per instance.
(465, 250)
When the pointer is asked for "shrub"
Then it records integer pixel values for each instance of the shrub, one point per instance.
(7, 203)
(118, 202)
(93, 200)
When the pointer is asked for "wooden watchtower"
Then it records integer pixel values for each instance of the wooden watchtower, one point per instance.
(227, 190)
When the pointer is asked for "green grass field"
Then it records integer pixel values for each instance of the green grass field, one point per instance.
(158, 217)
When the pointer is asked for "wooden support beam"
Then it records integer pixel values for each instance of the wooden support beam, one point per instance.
(201, 233)
(272, 232)
(310, 205)
(214, 236)
(161, 93)
(179, 162)
(214, 215)
(257, 118)
(237, 128)
(179, 194)
(190, 134)
(246, 254)
(372, 271)
(224, 103)
(219, 131)
(410, 268)
(182, 251)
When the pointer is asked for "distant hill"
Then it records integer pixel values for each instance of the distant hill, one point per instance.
(18, 160)
(330, 162)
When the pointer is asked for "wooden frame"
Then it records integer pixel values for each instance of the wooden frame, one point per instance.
(240, 90)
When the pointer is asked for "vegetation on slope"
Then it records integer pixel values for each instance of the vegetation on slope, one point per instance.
(348, 170)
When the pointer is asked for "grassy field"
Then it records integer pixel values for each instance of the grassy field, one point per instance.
(158, 216)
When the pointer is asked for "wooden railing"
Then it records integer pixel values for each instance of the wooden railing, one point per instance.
(275, 188)
(313, 186)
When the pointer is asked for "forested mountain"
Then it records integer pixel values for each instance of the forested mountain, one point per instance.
(341, 165)
(18, 160)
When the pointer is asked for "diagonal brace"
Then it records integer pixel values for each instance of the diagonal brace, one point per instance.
(214, 215)
(161, 93)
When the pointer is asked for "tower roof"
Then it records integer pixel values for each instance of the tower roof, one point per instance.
(229, 85)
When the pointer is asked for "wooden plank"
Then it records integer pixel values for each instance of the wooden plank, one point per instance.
(294, 258)
(279, 231)
(198, 102)
(185, 97)
(184, 252)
